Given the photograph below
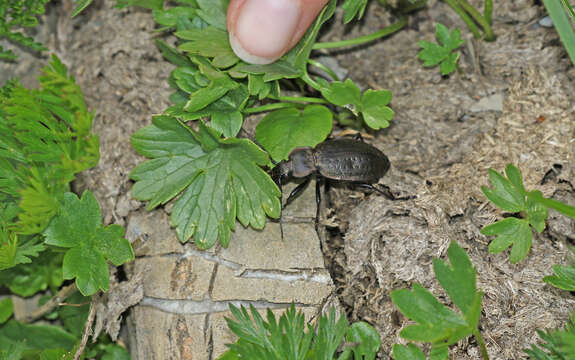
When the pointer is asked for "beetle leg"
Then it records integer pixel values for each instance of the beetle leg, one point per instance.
(358, 137)
(385, 192)
(296, 191)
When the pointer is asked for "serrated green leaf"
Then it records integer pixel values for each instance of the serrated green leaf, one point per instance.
(213, 12)
(515, 177)
(559, 344)
(510, 231)
(209, 42)
(442, 34)
(407, 352)
(435, 320)
(78, 226)
(6, 309)
(281, 131)
(504, 195)
(172, 55)
(171, 16)
(564, 277)
(458, 280)
(35, 337)
(14, 252)
(222, 182)
(374, 109)
(342, 93)
(431, 54)
(563, 208)
(449, 65)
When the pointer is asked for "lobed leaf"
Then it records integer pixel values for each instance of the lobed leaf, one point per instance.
(510, 231)
(564, 277)
(218, 180)
(78, 226)
(281, 131)
(407, 352)
(374, 109)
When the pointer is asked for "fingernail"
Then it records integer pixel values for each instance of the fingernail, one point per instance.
(263, 29)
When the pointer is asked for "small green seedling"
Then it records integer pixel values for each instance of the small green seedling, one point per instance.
(436, 323)
(287, 338)
(442, 53)
(509, 194)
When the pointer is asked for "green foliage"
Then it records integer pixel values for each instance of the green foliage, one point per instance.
(210, 82)
(282, 130)
(407, 352)
(218, 179)
(29, 340)
(287, 338)
(441, 53)
(436, 323)
(45, 140)
(14, 15)
(510, 195)
(78, 226)
(372, 104)
(563, 17)
(564, 277)
(6, 309)
(559, 344)
(45, 272)
(474, 19)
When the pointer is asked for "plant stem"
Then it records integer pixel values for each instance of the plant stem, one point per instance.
(52, 304)
(311, 82)
(469, 21)
(488, 11)
(322, 67)
(481, 343)
(363, 39)
(300, 99)
(269, 107)
(489, 36)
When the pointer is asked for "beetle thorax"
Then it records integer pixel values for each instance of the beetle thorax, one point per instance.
(302, 162)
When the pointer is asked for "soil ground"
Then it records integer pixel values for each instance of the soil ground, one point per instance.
(510, 102)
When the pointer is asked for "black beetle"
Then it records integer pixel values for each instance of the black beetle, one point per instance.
(339, 159)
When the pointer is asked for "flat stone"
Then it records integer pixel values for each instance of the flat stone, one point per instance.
(150, 233)
(489, 103)
(269, 287)
(175, 277)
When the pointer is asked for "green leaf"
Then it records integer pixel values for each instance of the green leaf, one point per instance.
(442, 53)
(504, 194)
(213, 12)
(14, 252)
(171, 16)
(172, 55)
(6, 309)
(367, 337)
(510, 231)
(116, 352)
(536, 214)
(78, 226)
(28, 279)
(515, 178)
(227, 123)
(559, 344)
(373, 107)
(458, 280)
(217, 183)
(564, 277)
(281, 131)
(209, 42)
(353, 8)
(564, 209)
(35, 337)
(435, 322)
(80, 6)
(74, 313)
(342, 93)
(407, 352)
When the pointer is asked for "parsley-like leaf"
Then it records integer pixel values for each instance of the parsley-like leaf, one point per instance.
(510, 231)
(14, 252)
(218, 179)
(14, 15)
(407, 352)
(437, 323)
(559, 344)
(78, 226)
(564, 277)
(442, 52)
(42, 273)
(281, 131)
(209, 42)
